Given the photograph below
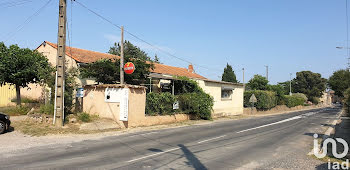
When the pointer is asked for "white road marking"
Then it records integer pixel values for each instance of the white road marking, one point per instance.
(133, 160)
(282, 121)
(211, 139)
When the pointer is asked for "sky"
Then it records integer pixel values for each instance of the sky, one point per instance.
(287, 36)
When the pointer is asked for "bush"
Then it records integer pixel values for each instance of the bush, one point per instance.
(347, 100)
(301, 95)
(25, 100)
(159, 103)
(15, 111)
(84, 117)
(198, 104)
(266, 99)
(47, 109)
(315, 100)
(292, 101)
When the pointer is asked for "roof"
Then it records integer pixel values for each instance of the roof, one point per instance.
(86, 56)
(116, 86)
(223, 82)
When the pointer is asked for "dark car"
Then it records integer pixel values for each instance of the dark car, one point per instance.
(4, 123)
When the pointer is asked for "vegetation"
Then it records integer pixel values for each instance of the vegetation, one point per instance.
(47, 109)
(339, 82)
(229, 75)
(84, 117)
(159, 103)
(266, 99)
(309, 83)
(69, 86)
(347, 100)
(192, 100)
(279, 91)
(25, 100)
(198, 104)
(107, 71)
(301, 95)
(286, 87)
(22, 66)
(258, 82)
(292, 101)
(15, 111)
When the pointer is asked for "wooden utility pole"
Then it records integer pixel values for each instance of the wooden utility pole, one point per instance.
(60, 64)
(122, 57)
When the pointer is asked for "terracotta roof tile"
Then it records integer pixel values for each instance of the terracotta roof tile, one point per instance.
(86, 56)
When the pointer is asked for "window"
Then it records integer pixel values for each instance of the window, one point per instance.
(226, 93)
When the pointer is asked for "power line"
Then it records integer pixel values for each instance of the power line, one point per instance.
(144, 41)
(28, 20)
(15, 3)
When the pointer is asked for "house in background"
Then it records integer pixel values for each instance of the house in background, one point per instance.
(228, 97)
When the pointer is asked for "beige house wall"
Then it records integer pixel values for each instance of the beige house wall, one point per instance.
(35, 91)
(221, 106)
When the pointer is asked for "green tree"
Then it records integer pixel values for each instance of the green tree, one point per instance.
(258, 82)
(107, 71)
(309, 83)
(279, 90)
(229, 75)
(286, 87)
(22, 66)
(156, 59)
(339, 82)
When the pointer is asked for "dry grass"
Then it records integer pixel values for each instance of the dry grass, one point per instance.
(42, 129)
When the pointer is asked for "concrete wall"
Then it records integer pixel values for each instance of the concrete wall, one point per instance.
(94, 103)
(223, 107)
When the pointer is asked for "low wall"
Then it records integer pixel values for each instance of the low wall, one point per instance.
(279, 109)
(165, 119)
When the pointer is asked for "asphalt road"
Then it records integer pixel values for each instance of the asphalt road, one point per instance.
(270, 142)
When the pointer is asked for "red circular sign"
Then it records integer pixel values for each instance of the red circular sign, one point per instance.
(129, 68)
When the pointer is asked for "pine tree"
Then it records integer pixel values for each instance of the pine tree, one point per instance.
(229, 75)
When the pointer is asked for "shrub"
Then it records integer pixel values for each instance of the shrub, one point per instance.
(84, 117)
(25, 100)
(266, 99)
(159, 103)
(301, 95)
(47, 109)
(347, 100)
(315, 100)
(15, 111)
(292, 101)
(198, 104)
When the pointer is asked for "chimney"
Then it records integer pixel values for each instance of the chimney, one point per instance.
(190, 68)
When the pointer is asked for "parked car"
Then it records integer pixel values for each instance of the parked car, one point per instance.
(4, 123)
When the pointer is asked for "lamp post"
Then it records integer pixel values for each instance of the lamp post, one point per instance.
(347, 54)
(290, 84)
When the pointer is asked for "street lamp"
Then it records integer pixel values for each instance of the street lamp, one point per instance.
(290, 84)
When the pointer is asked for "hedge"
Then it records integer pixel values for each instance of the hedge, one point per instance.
(347, 100)
(266, 99)
(294, 100)
(198, 104)
(159, 103)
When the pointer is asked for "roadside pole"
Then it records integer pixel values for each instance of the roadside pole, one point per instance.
(243, 79)
(122, 56)
(60, 65)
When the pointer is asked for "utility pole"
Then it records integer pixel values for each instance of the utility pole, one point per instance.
(290, 84)
(60, 64)
(122, 56)
(267, 73)
(243, 78)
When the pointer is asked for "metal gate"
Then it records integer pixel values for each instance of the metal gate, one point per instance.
(7, 92)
